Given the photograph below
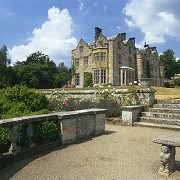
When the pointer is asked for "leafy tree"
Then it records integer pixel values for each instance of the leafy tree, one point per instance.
(4, 62)
(169, 63)
(38, 71)
(63, 75)
(178, 66)
(88, 82)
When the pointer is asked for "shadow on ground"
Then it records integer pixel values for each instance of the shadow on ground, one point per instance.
(23, 160)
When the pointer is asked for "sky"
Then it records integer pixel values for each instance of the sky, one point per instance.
(55, 27)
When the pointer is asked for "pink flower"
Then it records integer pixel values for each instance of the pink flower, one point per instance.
(65, 103)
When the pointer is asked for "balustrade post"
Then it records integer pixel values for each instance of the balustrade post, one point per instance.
(13, 135)
(30, 134)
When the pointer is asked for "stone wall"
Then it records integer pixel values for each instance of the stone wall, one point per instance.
(74, 125)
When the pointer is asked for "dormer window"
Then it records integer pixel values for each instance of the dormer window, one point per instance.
(81, 48)
(76, 62)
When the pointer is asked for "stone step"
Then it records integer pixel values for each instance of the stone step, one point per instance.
(155, 125)
(165, 110)
(169, 101)
(161, 115)
(176, 106)
(160, 120)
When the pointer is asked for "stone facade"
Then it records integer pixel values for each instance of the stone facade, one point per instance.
(149, 68)
(109, 59)
(114, 60)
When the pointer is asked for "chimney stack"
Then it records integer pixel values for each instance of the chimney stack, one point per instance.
(145, 45)
(98, 31)
(123, 35)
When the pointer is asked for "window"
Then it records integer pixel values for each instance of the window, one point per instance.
(103, 76)
(77, 79)
(99, 76)
(100, 56)
(76, 62)
(86, 60)
(81, 48)
(123, 78)
(96, 76)
(96, 57)
(103, 56)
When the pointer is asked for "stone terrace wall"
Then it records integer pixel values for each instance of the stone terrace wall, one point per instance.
(146, 96)
(74, 125)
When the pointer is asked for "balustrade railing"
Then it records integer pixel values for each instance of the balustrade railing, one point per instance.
(71, 124)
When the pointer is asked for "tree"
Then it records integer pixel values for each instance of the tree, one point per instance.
(63, 75)
(4, 62)
(169, 63)
(88, 82)
(38, 71)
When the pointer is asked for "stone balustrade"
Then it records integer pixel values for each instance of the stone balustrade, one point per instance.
(74, 125)
(146, 95)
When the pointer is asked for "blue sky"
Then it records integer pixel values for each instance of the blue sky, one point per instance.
(56, 26)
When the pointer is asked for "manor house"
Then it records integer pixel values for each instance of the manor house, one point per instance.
(115, 60)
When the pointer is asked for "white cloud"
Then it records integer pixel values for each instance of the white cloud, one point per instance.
(157, 20)
(81, 6)
(53, 38)
(118, 27)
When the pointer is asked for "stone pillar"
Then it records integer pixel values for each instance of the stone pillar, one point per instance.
(147, 97)
(130, 114)
(99, 123)
(167, 156)
(30, 134)
(67, 130)
(13, 135)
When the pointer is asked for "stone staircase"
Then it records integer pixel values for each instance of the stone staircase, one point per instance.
(165, 114)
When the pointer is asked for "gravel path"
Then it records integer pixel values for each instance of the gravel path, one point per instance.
(122, 153)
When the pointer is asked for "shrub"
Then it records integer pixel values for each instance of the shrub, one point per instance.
(20, 100)
(45, 131)
(88, 82)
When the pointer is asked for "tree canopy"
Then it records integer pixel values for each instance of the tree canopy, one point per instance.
(5, 70)
(38, 71)
(171, 66)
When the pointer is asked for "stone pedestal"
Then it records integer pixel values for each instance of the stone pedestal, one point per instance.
(147, 96)
(68, 130)
(167, 155)
(130, 114)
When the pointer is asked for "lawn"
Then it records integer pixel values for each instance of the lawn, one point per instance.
(167, 93)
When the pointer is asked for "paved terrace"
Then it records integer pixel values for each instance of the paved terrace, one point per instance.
(122, 153)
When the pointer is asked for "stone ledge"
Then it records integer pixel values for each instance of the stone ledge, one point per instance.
(130, 107)
(168, 140)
